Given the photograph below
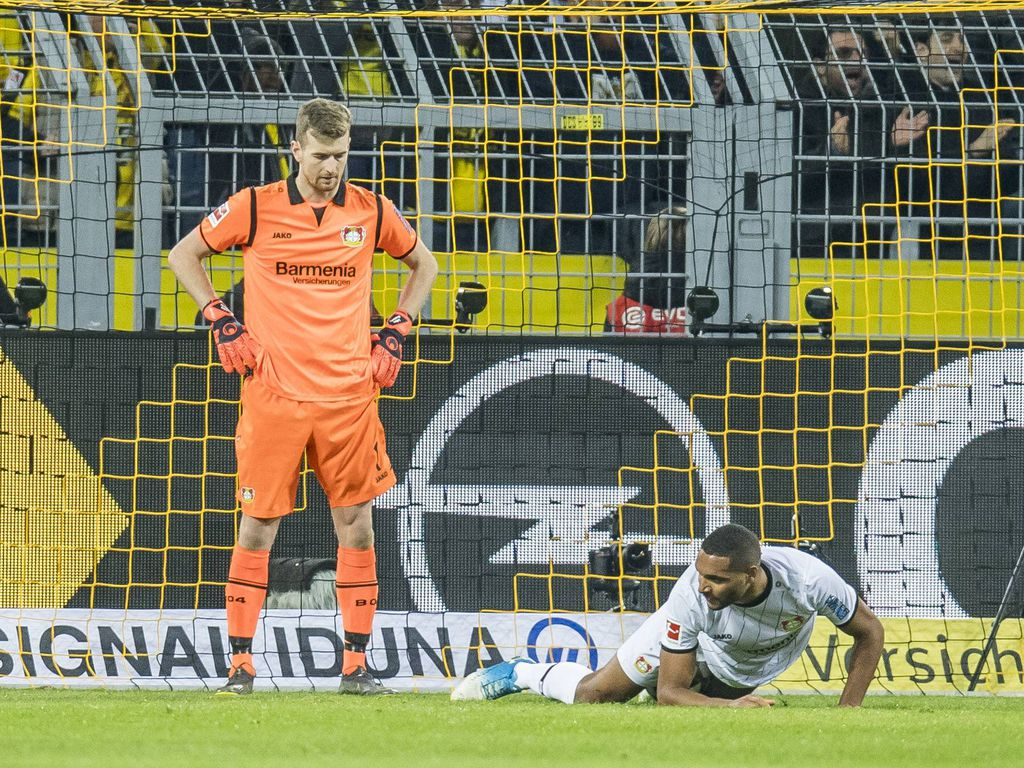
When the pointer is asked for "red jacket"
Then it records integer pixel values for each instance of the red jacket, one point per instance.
(625, 315)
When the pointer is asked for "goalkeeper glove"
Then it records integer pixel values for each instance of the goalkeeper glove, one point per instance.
(236, 349)
(386, 348)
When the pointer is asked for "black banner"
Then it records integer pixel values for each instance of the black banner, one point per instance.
(514, 460)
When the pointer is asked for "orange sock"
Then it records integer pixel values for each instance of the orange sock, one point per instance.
(245, 592)
(357, 600)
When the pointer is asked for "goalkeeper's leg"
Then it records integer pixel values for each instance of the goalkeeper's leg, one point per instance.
(349, 455)
(272, 434)
(245, 593)
(357, 594)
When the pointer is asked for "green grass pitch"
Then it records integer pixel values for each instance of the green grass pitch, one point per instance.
(61, 728)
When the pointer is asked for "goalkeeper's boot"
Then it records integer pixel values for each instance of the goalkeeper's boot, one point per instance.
(362, 683)
(240, 680)
(490, 683)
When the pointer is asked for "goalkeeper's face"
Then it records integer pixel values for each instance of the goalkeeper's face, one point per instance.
(322, 161)
(719, 584)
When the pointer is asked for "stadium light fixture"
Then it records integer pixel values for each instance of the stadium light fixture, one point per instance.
(702, 302)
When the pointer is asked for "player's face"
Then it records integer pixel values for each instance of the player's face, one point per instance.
(718, 583)
(322, 161)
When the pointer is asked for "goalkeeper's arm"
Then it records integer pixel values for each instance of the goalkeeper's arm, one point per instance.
(186, 261)
(388, 345)
(236, 348)
(422, 273)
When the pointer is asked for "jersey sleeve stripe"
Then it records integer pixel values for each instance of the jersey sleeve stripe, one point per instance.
(200, 230)
(252, 217)
(411, 249)
(666, 649)
(380, 221)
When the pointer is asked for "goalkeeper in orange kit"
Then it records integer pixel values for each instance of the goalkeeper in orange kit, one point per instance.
(312, 370)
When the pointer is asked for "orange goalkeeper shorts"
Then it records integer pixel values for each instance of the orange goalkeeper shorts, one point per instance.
(344, 446)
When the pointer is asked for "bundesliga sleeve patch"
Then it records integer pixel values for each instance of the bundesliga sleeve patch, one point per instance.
(219, 215)
(672, 631)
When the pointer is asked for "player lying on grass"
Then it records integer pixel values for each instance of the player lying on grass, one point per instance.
(734, 621)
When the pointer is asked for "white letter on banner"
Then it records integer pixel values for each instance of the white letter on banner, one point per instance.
(414, 495)
(897, 556)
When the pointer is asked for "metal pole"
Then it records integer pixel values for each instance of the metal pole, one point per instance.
(1000, 615)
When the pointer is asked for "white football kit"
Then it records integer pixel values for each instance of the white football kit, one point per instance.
(744, 646)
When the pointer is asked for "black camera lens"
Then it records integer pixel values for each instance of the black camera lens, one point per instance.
(636, 557)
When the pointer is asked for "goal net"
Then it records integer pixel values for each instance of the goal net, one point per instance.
(699, 263)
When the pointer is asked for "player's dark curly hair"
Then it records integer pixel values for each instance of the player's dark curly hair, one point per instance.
(737, 543)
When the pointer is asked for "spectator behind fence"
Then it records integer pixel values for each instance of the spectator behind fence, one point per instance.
(652, 298)
(18, 79)
(462, 69)
(612, 78)
(126, 131)
(845, 126)
(347, 59)
(955, 211)
(256, 152)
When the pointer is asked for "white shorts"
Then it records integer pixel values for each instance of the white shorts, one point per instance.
(640, 659)
(640, 655)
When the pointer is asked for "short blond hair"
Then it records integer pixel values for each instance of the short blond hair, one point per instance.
(323, 118)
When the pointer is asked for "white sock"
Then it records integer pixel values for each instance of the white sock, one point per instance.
(555, 681)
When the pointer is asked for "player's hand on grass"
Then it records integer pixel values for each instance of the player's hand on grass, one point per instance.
(386, 348)
(750, 702)
(236, 348)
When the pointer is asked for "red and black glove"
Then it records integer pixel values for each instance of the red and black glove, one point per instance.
(236, 349)
(386, 348)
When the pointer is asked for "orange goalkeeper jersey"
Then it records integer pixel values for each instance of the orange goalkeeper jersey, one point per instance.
(307, 282)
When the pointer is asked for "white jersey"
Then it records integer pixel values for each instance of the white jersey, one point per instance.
(749, 645)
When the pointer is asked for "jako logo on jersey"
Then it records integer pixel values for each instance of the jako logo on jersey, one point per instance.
(218, 215)
(672, 631)
(353, 237)
(725, 636)
(562, 645)
(248, 494)
(282, 236)
(313, 270)
(793, 623)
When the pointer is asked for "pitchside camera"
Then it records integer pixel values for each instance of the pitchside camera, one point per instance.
(606, 575)
(29, 294)
(470, 300)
